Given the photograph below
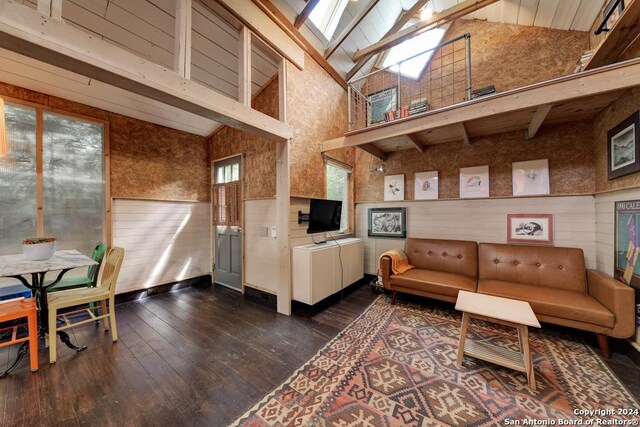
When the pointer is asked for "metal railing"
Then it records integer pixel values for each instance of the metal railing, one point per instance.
(388, 94)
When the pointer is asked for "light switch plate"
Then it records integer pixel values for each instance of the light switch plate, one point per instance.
(273, 231)
(263, 232)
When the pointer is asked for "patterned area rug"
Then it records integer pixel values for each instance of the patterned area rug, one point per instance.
(396, 366)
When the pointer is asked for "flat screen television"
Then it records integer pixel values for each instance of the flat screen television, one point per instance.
(324, 215)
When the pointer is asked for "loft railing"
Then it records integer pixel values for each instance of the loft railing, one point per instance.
(389, 93)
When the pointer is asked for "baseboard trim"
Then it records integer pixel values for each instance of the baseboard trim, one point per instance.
(204, 280)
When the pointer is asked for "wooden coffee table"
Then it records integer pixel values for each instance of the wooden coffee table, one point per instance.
(503, 311)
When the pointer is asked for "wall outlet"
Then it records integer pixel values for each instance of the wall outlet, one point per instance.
(273, 231)
(263, 232)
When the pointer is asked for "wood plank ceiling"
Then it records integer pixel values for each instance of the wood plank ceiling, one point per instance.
(559, 14)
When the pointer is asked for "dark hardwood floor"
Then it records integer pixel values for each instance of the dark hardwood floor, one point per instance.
(198, 356)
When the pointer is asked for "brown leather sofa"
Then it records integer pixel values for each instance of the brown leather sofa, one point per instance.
(553, 280)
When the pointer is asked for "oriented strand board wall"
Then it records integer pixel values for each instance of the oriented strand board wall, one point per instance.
(317, 111)
(259, 153)
(148, 161)
(503, 55)
(619, 110)
(568, 147)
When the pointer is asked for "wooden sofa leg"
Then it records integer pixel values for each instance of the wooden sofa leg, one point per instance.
(603, 342)
(394, 295)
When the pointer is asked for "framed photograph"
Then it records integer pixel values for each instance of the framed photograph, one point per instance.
(474, 182)
(627, 240)
(624, 147)
(530, 177)
(425, 186)
(532, 229)
(611, 13)
(388, 222)
(380, 103)
(394, 187)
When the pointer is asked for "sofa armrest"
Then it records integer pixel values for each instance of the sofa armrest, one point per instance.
(618, 298)
(385, 271)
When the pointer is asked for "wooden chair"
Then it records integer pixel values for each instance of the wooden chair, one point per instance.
(101, 294)
(19, 309)
(90, 279)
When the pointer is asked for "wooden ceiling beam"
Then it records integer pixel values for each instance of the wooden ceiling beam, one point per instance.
(611, 78)
(337, 41)
(464, 134)
(279, 19)
(436, 20)
(304, 15)
(402, 20)
(416, 143)
(537, 120)
(27, 32)
(619, 37)
(374, 151)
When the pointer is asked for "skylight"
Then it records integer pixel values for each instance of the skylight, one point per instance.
(326, 15)
(413, 68)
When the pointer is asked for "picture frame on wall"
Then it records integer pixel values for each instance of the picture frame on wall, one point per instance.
(474, 182)
(394, 187)
(530, 177)
(611, 13)
(627, 242)
(531, 229)
(380, 103)
(387, 222)
(425, 185)
(623, 147)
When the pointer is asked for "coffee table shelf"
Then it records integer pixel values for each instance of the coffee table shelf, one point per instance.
(495, 354)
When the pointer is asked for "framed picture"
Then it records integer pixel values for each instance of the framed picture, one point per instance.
(533, 229)
(611, 13)
(624, 147)
(388, 222)
(627, 242)
(394, 187)
(425, 186)
(530, 177)
(380, 103)
(474, 182)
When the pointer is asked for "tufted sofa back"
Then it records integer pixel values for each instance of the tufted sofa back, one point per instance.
(451, 256)
(534, 265)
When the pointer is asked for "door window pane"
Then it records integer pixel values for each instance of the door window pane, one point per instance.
(73, 173)
(338, 189)
(18, 210)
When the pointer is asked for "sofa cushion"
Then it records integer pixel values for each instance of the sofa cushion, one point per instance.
(451, 256)
(553, 267)
(437, 282)
(566, 304)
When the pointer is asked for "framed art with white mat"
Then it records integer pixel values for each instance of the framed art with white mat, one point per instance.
(425, 185)
(474, 182)
(530, 177)
(532, 229)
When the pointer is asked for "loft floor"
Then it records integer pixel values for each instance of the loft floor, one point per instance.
(198, 356)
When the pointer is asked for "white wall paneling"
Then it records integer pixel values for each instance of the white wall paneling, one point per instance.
(164, 241)
(484, 220)
(260, 269)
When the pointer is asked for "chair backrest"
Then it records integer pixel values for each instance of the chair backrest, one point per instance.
(110, 270)
(98, 256)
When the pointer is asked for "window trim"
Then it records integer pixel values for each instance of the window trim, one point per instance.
(328, 161)
(40, 109)
(332, 18)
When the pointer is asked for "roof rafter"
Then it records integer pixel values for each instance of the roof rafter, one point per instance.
(304, 15)
(335, 44)
(438, 19)
(403, 19)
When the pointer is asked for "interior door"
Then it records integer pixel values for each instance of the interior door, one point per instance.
(227, 222)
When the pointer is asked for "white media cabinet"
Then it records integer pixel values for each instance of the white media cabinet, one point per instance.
(316, 268)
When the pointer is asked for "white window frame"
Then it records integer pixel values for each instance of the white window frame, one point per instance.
(329, 22)
(328, 161)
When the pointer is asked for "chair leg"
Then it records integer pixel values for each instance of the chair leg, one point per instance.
(112, 317)
(394, 295)
(33, 341)
(52, 334)
(103, 309)
(603, 342)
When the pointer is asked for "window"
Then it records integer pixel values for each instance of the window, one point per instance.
(227, 193)
(326, 15)
(413, 68)
(72, 195)
(339, 188)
